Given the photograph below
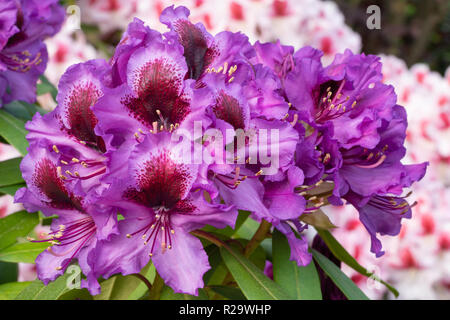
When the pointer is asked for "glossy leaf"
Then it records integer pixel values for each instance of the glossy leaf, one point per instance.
(36, 290)
(344, 283)
(8, 291)
(317, 219)
(230, 293)
(23, 110)
(26, 252)
(168, 294)
(120, 287)
(16, 225)
(12, 189)
(302, 283)
(10, 172)
(339, 252)
(251, 280)
(13, 131)
(76, 294)
(228, 231)
(8, 272)
(45, 86)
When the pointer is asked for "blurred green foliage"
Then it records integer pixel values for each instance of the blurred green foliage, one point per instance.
(414, 30)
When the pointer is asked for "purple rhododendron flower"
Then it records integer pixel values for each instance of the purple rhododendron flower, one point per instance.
(181, 130)
(79, 226)
(161, 206)
(23, 55)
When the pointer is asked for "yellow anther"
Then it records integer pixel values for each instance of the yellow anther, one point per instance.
(128, 235)
(75, 160)
(231, 80)
(58, 268)
(64, 162)
(55, 148)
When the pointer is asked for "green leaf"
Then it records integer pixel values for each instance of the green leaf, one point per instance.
(8, 272)
(13, 130)
(12, 189)
(252, 281)
(26, 252)
(149, 272)
(45, 86)
(339, 252)
(230, 293)
(23, 110)
(36, 290)
(302, 283)
(121, 287)
(76, 294)
(9, 291)
(16, 225)
(317, 219)
(347, 286)
(118, 287)
(216, 275)
(10, 172)
(247, 229)
(228, 231)
(167, 293)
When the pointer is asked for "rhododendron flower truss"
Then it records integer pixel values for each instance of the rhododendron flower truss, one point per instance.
(184, 141)
(23, 55)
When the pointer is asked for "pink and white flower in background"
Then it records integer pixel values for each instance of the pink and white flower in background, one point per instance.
(297, 22)
(67, 47)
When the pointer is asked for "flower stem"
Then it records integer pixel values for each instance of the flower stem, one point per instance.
(257, 238)
(211, 238)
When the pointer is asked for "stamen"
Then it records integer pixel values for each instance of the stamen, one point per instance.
(376, 164)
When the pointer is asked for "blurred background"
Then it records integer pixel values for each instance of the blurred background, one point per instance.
(413, 40)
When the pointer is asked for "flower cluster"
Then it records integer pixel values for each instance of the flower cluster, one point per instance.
(23, 55)
(416, 260)
(183, 129)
